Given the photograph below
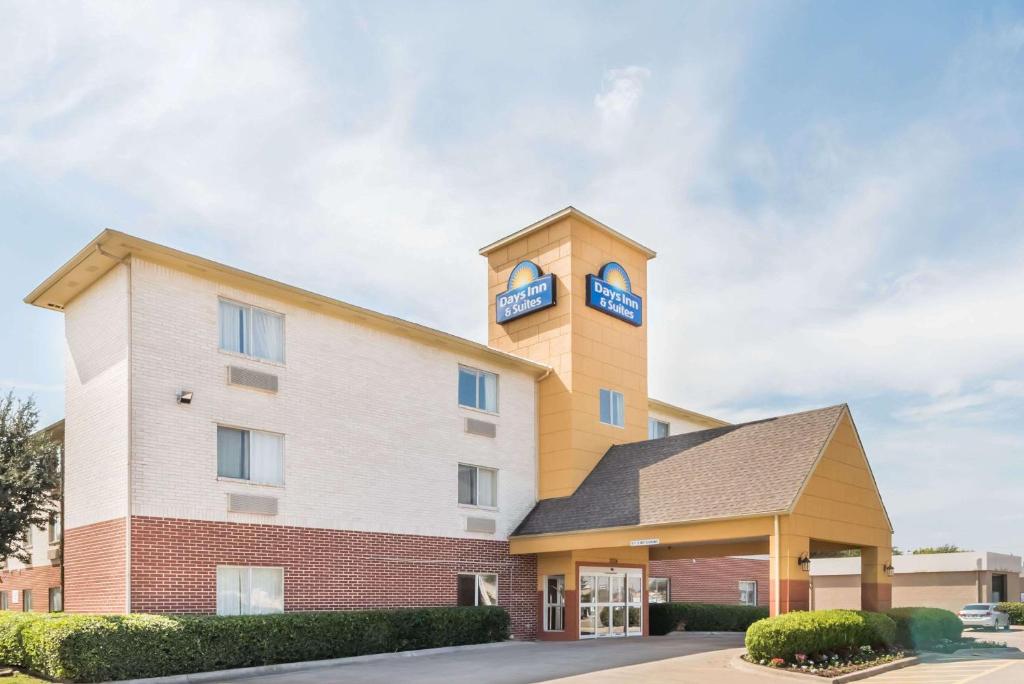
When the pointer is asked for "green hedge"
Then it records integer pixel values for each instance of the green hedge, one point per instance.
(703, 617)
(1016, 611)
(919, 627)
(818, 631)
(93, 648)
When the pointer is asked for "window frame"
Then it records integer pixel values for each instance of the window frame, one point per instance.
(249, 568)
(652, 422)
(26, 600)
(476, 587)
(668, 588)
(741, 583)
(476, 491)
(5, 600)
(248, 332)
(602, 392)
(49, 599)
(54, 529)
(478, 372)
(249, 480)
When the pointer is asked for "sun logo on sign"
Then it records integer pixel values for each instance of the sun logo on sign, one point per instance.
(613, 274)
(524, 273)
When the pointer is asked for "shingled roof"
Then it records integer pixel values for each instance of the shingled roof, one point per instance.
(755, 468)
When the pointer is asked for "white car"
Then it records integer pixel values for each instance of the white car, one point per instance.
(984, 615)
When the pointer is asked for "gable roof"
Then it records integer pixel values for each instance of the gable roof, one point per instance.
(111, 247)
(558, 216)
(751, 469)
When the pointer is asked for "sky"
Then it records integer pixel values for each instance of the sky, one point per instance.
(835, 190)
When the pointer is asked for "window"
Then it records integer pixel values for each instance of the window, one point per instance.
(56, 602)
(250, 455)
(54, 530)
(554, 603)
(26, 600)
(478, 590)
(658, 590)
(249, 591)
(748, 593)
(478, 486)
(656, 429)
(248, 330)
(478, 389)
(3, 600)
(612, 408)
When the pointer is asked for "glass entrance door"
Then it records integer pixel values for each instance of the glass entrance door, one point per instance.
(611, 602)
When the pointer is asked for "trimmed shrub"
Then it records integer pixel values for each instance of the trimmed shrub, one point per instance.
(1016, 611)
(920, 627)
(783, 636)
(703, 617)
(93, 648)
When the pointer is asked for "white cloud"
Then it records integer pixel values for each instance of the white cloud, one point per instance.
(619, 99)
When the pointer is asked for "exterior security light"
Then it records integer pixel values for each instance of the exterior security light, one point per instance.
(804, 562)
(888, 569)
(185, 397)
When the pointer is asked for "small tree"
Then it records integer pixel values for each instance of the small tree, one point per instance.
(29, 476)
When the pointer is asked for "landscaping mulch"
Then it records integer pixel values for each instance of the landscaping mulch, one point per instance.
(834, 665)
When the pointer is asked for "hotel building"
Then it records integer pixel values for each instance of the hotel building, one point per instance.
(238, 445)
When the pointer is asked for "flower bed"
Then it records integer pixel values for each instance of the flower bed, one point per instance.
(953, 645)
(834, 663)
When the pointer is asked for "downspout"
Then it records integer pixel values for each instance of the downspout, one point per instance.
(126, 261)
(777, 570)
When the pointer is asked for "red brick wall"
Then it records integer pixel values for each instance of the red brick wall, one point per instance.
(712, 580)
(174, 565)
(94, 568)
(38, 579)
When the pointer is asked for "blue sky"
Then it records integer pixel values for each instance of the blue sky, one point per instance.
(835, 190)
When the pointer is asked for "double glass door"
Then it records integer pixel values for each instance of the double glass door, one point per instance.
(611, 603)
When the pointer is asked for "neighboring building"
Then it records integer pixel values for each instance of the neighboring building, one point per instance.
(723, 581)
(37, 586)
(238, 445)
(939, 580)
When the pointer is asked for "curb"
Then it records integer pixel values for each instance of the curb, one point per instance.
(280, 668)
(739, 663)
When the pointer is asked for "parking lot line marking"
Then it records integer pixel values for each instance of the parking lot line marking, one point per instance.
(994, 669)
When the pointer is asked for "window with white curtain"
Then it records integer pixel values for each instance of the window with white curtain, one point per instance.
(658, 590)
(478, 389)
(477, 590)
(478, 486)
(250, 455)
(613, 408)
(656, 429)
(252, 331)
(748, 593)
(249, 590)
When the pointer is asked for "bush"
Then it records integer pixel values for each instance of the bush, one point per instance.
(818, 631)
(93, 648)
(703, 617)
(919, 627)
(1016, 611)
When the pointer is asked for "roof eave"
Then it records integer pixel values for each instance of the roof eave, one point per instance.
(558, 216)
(647, 526)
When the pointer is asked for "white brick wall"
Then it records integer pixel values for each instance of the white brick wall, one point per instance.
(96, 401)
(373, 431)
(39, 547)
(676, 424)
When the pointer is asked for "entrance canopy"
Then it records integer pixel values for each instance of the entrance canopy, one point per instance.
(783, 486)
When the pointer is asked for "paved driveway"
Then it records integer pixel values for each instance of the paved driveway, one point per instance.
(525, 662)
(978, 668)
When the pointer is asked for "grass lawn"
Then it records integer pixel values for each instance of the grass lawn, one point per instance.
(20, 678)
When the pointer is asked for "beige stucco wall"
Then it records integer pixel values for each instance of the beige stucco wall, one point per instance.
(373, 432)
(949, 590)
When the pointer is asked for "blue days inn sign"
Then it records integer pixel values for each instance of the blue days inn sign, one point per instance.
(528, 291)
(610, 292)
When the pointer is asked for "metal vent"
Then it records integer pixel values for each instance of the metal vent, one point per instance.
(485, 525)
(481, 427)
(248, 503)
(250, 378)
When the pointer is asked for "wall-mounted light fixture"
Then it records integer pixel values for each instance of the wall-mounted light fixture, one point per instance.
(888, 569)
(804, 562)
(185, 397)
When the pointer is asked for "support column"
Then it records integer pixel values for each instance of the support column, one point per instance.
(875, 584)
(790, 586)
